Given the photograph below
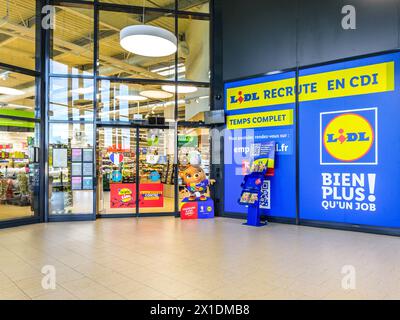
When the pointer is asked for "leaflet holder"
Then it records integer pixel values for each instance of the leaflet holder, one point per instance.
(250, 197)
(255, 187)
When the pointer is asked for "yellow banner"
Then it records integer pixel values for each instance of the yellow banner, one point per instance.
(261, 119)
(334, 84)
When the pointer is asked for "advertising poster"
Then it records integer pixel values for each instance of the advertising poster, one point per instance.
(76, 183)
(87, 183)
(87, 155)
(76, 155)
(259, 111)
(60, 158)
(151, 195)
(349, 143)
(122, 195)
(87, 169)
(76, 169)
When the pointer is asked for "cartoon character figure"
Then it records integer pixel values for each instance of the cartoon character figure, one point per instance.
(196, 182)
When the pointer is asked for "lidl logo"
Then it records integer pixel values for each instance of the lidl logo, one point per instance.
(244, 97)
(349, 137)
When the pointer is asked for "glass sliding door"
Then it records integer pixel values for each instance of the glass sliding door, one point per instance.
(193, 150)
(116, 177)
(156, 171)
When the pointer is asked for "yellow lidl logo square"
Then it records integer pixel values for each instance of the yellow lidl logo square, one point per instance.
(349, 137)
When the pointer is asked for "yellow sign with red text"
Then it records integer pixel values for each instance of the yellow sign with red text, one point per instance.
(334, 84)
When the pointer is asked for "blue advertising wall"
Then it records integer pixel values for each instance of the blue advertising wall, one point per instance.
(349, 148)
(238, 144)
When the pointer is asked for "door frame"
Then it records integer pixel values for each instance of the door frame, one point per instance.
(137, 213)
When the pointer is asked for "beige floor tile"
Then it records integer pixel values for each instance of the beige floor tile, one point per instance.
(12, 293)
(195, 295)
(165, 258)
(146, 293)
(59, 294)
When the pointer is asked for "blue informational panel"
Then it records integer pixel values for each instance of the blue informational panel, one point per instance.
(349, 147)
(259, 110)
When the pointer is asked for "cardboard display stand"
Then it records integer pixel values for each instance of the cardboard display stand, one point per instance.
(199, 209)
(255, 188)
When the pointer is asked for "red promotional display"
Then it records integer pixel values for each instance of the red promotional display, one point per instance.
(189, 210)
(151, 195)
(123, 195)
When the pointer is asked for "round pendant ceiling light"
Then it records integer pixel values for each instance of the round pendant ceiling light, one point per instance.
(156, 94)
(149, 41)
(180, 89)
(10, 91)
(131, 97)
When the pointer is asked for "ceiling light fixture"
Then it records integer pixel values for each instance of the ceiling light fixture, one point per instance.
(148, 41)
(180, 89)
(11, 91)
(130, 98)
(83, 90)
(156, 94)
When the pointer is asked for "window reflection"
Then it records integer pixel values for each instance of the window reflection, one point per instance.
(71, 99)
(72, 41)
(17, 94)
(194, 50)
(128, 102)
(17, 33)
(71, 165)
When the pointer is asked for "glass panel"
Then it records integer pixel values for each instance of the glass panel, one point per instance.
(194, 50)
(19, 169)
(191, 106)
(116, 171)
(193, 149)
(17, 33)
(17, 94)
(165, 4)
(71, 99)
(194, 5)
(116, 61)
(127, 102)
(156, 170)
(72, 39)
(71, 163)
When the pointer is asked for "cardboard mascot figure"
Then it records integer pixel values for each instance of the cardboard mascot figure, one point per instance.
(197, 205)
(196, 182)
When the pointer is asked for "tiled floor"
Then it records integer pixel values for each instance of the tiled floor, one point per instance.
(165, 258)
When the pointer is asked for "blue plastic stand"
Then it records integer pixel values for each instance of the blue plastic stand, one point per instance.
(254, 217)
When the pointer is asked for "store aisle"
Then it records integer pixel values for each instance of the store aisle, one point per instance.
(166, 258)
